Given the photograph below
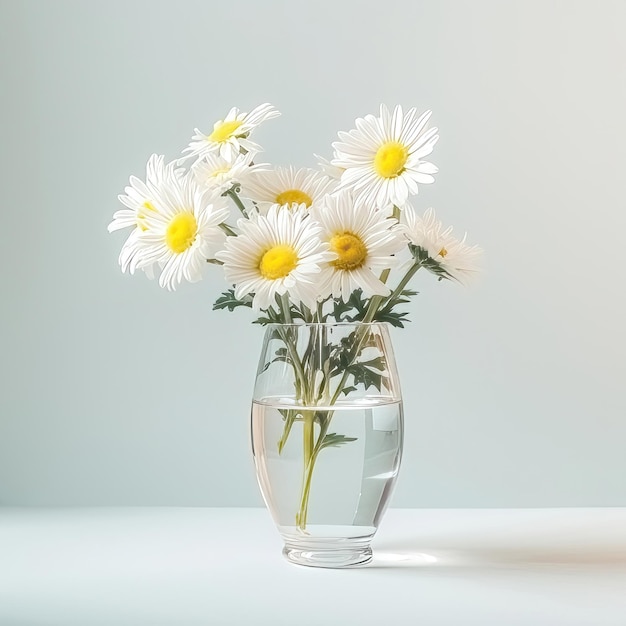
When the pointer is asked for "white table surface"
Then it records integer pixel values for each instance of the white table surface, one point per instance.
(222, 567)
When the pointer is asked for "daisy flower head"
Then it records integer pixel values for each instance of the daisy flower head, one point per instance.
(276, 254)
(139, 199)
(216, 172)
(139, 196)
(181, 234)
(131, 258)
(287, 186)
(364, 243)
(383, 156)
(230, 135)
(452, 257)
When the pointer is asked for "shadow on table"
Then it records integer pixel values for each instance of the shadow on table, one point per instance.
(403, 556)
(566, 553)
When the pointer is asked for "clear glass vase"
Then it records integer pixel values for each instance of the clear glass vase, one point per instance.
(327, 431)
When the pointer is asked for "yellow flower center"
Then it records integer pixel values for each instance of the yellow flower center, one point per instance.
(141, 215)
(443, 253)
(350, 249)
(390, 159)
(222, 131)
(219, 172)
(277, 262)
(294, 195)
(181, 232)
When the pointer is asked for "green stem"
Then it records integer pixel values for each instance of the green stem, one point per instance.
(368, 318)
(291, 417)
(324, 384)
(372, 309)
(285, 305)
(307, 314)
(301, 516)
(375, 302)
(228, 230)
(320, 312)
(297, 364)
(308, 436)
(405, 279)
(234, 196)
(291, 347)
(311, 452)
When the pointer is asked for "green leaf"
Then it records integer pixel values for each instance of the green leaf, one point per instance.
(340, 308)
(377, 363)
(282, 354)
(344, 354)
(333, 440)
(421, 255)
(391, 317)
(365, 376)
(355, 303)
(347, 390)
(263, 321)
(228, 301)
(395, 318)
(269, 318)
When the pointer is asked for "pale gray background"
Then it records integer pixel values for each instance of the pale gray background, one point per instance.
(117, 392)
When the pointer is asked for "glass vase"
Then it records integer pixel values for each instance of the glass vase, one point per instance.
(327, 432)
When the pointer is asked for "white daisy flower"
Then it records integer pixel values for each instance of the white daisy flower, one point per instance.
(181, 233)
(230, 135)
(275, 254)
(139, 196)
(220, 174)
(365, 243)
(383, 156)
(130, 256)
(287, 186)
(457, 259)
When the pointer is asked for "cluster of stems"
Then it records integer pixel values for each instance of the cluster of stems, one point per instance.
(314, 390)
(313, 379)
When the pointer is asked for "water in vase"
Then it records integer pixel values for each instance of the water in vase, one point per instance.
(327, 473)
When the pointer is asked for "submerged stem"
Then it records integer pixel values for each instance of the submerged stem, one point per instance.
(301, 516)
(308, 433)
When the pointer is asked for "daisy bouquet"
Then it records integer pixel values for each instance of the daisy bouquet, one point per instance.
(339, 243)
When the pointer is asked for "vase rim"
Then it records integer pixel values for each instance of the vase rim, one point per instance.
(357, 323)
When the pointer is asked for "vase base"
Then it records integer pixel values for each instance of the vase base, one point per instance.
(345, 556)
